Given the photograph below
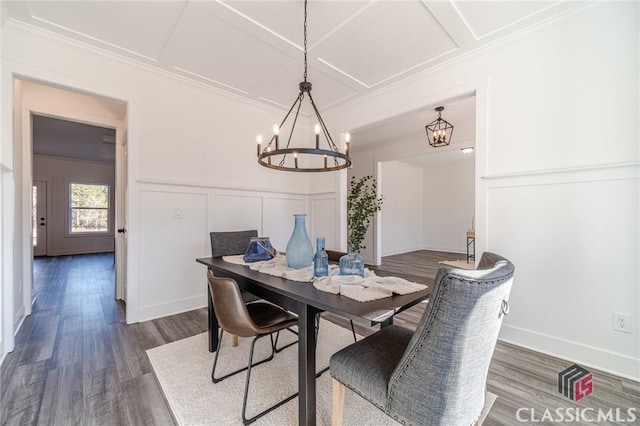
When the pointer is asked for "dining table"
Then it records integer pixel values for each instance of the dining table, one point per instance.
(306, 301)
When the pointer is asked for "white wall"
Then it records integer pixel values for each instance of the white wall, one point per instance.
(59, 173)
(449, 205)
(557, 175)
(188, 146)
(402, 216)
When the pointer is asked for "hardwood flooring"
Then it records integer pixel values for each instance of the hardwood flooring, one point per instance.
(77, 363)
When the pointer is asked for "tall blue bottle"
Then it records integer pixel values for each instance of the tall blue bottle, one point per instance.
(299, 249)
(320, 260)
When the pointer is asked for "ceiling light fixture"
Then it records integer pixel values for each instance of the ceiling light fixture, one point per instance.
(439, 131)
(316, 159)
(467, 150)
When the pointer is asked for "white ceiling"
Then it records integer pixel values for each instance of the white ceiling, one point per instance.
(254, 48)
(460, 113)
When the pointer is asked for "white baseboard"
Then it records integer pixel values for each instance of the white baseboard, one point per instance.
(71, 252)
(149, 312)
(400, 251)
(573, 352)
(18, 319)
(460, 250)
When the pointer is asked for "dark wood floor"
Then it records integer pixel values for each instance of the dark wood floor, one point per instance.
(77, 362)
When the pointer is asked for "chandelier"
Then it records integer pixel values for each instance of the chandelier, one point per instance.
(439, 131)
(318, 159)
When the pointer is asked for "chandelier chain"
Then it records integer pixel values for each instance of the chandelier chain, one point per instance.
(305, 40)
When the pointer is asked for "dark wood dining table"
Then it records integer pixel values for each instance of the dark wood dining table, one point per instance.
(306, 301)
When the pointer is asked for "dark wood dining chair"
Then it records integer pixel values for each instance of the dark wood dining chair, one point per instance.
(257, 320)
(436, 375)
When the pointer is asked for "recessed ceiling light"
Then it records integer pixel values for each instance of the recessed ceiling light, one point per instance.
(467, 150)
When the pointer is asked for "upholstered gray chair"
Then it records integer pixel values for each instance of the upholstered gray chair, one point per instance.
(436, 375)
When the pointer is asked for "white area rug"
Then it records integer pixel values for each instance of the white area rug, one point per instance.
(183, 369)
(461, 264)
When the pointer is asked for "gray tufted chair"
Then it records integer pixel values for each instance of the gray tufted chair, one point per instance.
(436, 375)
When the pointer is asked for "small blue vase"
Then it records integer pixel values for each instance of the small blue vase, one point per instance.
(352, 264)
(320, 260)
(299, 249)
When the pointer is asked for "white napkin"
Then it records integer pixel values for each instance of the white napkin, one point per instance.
(371, 287)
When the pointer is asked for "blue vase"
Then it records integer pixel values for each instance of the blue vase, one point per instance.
(352, 264)
(299, 249)
(320, 260)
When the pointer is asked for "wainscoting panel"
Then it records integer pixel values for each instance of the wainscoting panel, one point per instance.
(325, 222)
(173, 229)
(573, 236)
(278, 218)
(237, 212)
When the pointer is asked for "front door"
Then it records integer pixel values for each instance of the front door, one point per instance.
(39, 221)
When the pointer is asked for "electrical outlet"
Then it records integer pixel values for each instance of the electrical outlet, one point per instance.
(177, 213)
(622, 322)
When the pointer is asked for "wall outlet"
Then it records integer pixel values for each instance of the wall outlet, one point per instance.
(622, 322)
(177, 213)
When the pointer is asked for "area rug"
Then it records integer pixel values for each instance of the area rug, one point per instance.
(183, 369)
(461, 264)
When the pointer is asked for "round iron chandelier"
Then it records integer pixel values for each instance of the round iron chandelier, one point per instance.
(318, 159)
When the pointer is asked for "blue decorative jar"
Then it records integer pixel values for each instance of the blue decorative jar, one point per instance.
(299, 249)
(320, 259)
(352, 264)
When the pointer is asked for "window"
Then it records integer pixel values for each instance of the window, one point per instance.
(89, 208)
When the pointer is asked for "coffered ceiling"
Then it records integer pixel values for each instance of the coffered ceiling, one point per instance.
(255, 48)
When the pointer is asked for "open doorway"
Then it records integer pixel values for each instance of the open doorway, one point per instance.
(72, 178)
(429, 192)
(74, 187)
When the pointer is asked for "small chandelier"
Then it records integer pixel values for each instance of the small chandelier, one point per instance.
(324, 159)
(439, 131)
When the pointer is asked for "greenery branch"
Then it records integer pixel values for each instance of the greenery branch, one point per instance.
(362, 205)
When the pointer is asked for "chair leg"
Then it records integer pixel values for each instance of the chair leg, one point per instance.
(337, 403)
(234, 340)
(215, 361)
(353, 331)
(276, 348)
(246, 387)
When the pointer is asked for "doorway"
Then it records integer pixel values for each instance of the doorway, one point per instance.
(94, 147)
(429, 193)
